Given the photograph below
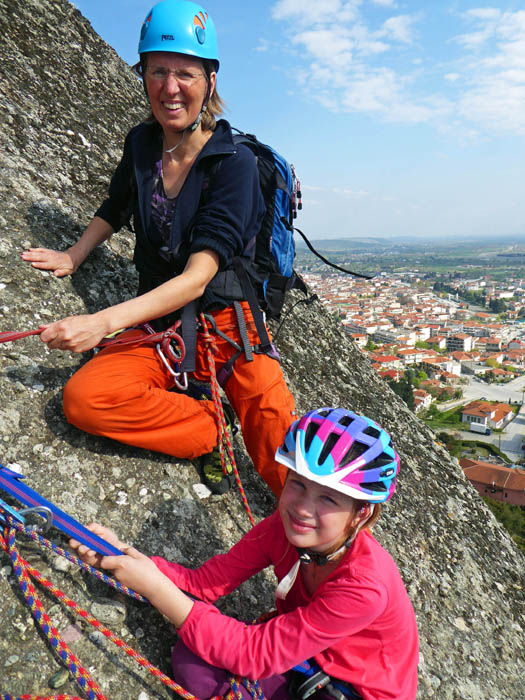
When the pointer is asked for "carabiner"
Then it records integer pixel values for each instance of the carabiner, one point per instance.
(43, 512)
(180, 384)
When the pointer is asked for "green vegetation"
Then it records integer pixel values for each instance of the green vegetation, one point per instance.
(437, 419)
(512, 518)
(403, 388)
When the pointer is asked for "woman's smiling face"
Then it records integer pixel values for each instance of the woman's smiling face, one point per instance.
(177, 87)
(316, 517)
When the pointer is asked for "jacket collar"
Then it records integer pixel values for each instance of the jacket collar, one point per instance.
(221, 142)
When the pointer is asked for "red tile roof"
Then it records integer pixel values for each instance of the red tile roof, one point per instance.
(493, 474)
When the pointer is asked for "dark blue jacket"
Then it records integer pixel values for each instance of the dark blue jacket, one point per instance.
(225, 219)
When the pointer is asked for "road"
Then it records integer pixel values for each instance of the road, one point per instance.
(513, 391)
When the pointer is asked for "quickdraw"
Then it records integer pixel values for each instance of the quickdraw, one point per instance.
(11, 482)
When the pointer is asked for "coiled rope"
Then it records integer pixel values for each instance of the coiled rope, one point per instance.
(23, 571)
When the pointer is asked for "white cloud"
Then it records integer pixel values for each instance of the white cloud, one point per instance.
(400, 28)
(347, 192)
(307, 12)
(348, 65)
(495, 96)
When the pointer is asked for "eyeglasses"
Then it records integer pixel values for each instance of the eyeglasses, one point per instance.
(183, 77)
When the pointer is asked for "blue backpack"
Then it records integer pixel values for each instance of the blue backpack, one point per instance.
(272, 273)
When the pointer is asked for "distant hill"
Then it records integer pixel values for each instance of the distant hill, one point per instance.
(345, 244)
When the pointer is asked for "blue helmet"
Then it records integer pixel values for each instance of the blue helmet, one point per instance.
(179, 26)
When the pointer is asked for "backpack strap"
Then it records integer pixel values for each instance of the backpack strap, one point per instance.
(321, 257)
(188, 318)
(253, 302)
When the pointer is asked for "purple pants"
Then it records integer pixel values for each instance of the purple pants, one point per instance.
(205, 681)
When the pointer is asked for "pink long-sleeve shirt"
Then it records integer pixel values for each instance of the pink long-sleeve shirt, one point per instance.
(359, 625)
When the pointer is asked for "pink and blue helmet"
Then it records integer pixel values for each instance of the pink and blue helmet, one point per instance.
(343, 451)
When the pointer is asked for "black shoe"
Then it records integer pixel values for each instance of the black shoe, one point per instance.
(210, 470)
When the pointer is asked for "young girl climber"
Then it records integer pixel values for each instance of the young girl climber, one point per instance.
(343, 618)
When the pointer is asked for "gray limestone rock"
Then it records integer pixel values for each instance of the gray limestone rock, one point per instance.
(67, 101)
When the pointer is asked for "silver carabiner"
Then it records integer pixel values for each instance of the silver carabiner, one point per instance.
(43, 512)
(180, 384)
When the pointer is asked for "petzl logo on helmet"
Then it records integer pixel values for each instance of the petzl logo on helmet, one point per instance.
(166, 37)
(145, 26)
(199, 22)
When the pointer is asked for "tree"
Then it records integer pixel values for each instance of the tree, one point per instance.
(491, 362)
(403, 389)
(498, 306)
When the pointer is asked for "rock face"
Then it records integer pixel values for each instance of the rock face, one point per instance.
(67, 101)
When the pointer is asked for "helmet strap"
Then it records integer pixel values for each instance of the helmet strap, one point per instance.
(308, 556)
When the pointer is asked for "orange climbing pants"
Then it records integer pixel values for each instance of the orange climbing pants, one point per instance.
(124, 393)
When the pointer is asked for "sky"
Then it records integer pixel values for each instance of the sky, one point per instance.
(401, 117)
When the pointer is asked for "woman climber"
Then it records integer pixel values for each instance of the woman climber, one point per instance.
(185, 248)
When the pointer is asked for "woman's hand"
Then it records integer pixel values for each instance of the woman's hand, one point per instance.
(75, 333)
(59, 263)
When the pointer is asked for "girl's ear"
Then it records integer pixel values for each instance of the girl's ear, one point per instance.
(362, 515)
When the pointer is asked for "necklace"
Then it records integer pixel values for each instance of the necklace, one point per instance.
(174, 148)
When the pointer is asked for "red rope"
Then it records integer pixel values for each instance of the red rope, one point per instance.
(222, 430)
(24, 570)
(7, 336)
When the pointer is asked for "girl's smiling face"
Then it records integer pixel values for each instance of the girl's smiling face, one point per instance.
(316, 517)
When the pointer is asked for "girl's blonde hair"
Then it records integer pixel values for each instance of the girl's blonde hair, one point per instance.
(214, 107)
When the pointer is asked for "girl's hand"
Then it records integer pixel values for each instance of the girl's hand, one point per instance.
(60, 263)
(75, 333)
(89, 556)
(135, 570)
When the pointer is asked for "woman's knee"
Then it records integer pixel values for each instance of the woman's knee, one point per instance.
(77, 402)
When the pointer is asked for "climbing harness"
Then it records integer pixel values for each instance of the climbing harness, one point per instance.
(24, 572)
(308, 678)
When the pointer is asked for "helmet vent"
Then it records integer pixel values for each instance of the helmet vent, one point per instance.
(328, 446)
(309, 435)
(372, 432)
(345, 421)
(324, 412)
(375, 486)
(355, 451)
(383, 460)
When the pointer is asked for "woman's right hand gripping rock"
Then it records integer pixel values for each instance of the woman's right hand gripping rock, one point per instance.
(60, 263)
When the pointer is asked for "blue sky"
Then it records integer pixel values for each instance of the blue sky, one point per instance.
(401, 117)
